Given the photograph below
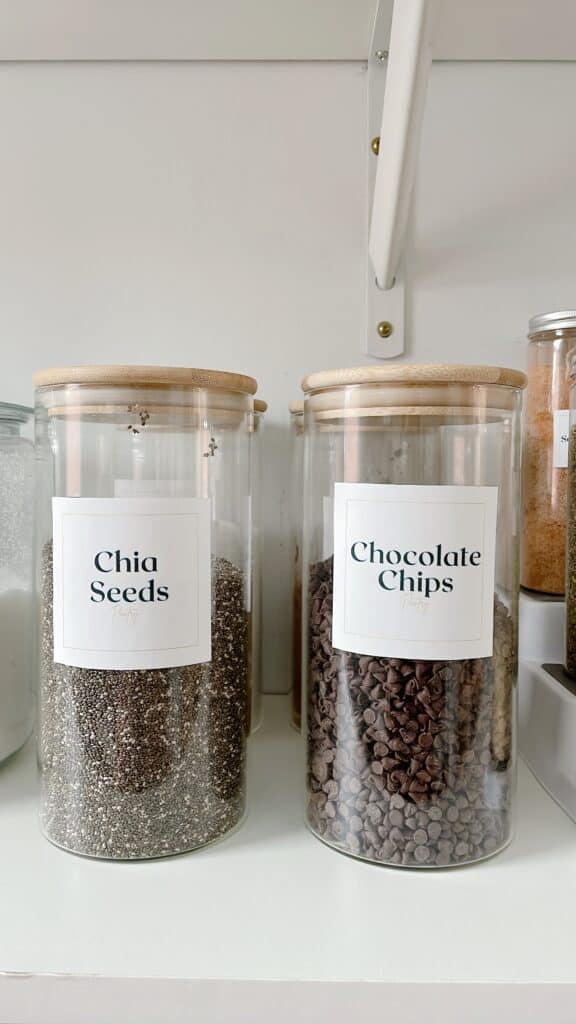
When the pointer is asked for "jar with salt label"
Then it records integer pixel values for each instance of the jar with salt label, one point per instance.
(143, 525)
(411, 617)
(551, 338)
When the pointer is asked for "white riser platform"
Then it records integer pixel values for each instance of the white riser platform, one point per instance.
(547, 700)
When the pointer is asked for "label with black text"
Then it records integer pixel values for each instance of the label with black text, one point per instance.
(132, 587)
(414, 570)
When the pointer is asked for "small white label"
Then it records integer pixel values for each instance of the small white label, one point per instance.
(561, 438)
(132, 587)
(414, 570)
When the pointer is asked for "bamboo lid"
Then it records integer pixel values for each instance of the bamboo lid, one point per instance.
(297, 407)
(260, 405)
(145, 376)
(425, 373)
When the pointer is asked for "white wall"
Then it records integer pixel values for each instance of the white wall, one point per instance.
(496, 221)
(214, 215)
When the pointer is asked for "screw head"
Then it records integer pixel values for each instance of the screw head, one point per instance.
(385, 328)
(381, 54)
(375, 145)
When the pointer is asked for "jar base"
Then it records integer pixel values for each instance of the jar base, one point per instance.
(557, 594)
(411, 866)
(139, 858)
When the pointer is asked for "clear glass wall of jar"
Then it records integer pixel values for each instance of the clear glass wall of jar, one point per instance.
(143, 528)
(255, 614)
(571, 527)
(411, 610)
(16, 577)
(551, 337)
(296, 483)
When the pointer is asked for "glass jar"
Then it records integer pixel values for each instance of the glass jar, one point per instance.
(255, 614)
(571, 527)
(552, 336)
(297, 452)
(16, 577)
(411, 639)
(143, 526)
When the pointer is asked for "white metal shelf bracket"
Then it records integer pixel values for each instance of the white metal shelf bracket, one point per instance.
(397, 82)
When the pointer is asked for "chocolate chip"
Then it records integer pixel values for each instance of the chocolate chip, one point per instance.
(434, 830)
(412, 767)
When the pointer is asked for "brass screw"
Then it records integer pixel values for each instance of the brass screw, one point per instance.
(375, 145)
(385, 328)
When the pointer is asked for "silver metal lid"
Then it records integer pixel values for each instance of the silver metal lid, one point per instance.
(15, 413)
(561, 320)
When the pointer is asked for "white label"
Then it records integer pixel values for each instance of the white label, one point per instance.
(561, 438)
(132, 587)
(414, 570)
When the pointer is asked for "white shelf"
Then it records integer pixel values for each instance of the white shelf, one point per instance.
(239, 931)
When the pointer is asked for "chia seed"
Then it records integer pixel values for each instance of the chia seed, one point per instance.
(139, 764)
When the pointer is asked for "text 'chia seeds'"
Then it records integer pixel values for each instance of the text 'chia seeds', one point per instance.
(410, 762)
(140, 764)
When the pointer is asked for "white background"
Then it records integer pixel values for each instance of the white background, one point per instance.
(214, 214)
